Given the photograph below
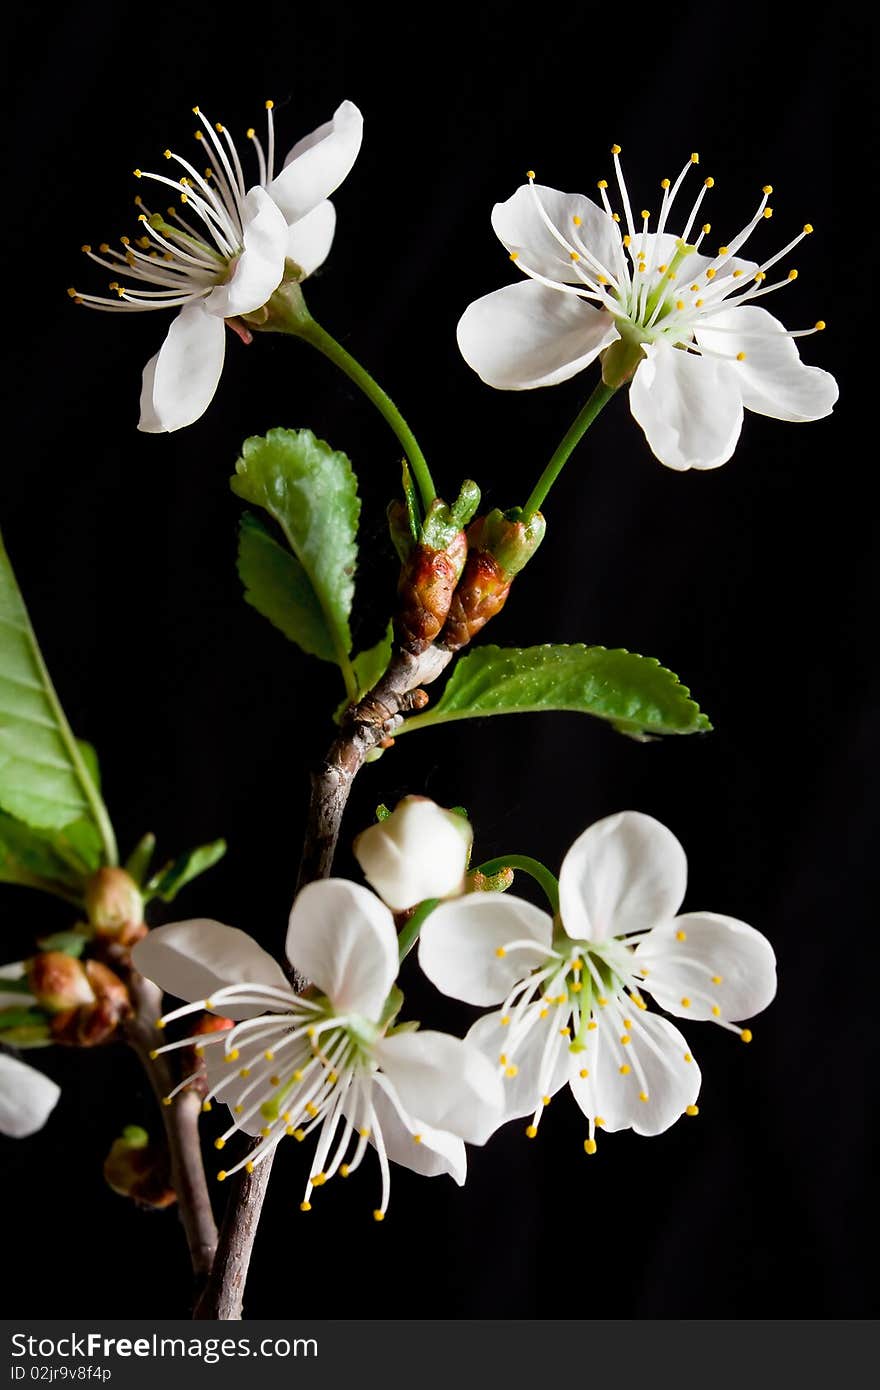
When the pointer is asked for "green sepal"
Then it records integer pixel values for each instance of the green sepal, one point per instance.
(167, 883)
(21, 1018)
(443, 523)
(391, 1008)
(634, 693)
(72, 943)
(137, 865)
(382, 812)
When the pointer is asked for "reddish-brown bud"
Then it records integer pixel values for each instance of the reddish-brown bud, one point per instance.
(500, 544)
(96, 1022)
(427, 583)
(58, 982)
(115, 906)
(140, 1170)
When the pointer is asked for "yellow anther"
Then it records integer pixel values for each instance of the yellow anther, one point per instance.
(531, 1131)
(643, 1095)
(237, 1109)
(75, 296)
(196, 111)
(601, 1001)
(206, 1106)
(269, 1055)
(694, 289)
(761, 275)
(665, 183)
(707, 227)
(197, 134)
(249, 1166)
(589, 1146)
(695, 158)
(662, 269)
(138, 202)
(167, 154)
(583, 1073)
(573, 255)
(221, 1176)
(138, 174)
(625, 1069)
(167, 1100)
(615, 217)
(297, 1076)
(269, 105)
(250, 132)
(232, 1055)
(624, 1038)
(543, 1013)
(154, 1054)
(305, 1206)
(688, 1057)
(768, 212)
(378, 1215)
(319, 1179)
(218, 127)
(716, 1011)
(808, 227)
(626, 239)
(500, 952)
(286, 1117)
(565, 1032)
(265, 1131)
(603, 183)
(104, 247)
(717, 979)
(505, 1021)
(311, 1108)
(740, 357)
(792, 275)
(184, 198)
(219, 1143)
(299, 1135)
(710, 274)
(592, 1025)
(310, 1032)
(576, 220)
(344, 1170)
(685, 1003)
(615, 149)
(819, 325)
(576, 964)
(627, 1023)
(545, 1100)
(724, 250)
(710, 182)
(160, 1022)
(599, 1122)
(244, 1071)
(746, 1035)
(768, 188)
(514, 255)
(679, 304)
(576, 986)
(364, 1133)
(86, 248)
(737, 274)
(692, 1110)
(530, 173)
(332, 1078)
(417, 1139)
(645, 214)
(503, 1059)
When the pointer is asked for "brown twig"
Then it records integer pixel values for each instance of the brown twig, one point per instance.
(364, 727)
(181, 1122)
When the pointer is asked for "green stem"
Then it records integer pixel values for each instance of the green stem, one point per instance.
(600, 397)
(533, 867)
(410, 933)
(322, 340)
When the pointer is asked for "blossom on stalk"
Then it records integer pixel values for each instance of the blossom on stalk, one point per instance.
(224, 255)
(420, 851)
(571, 988)
(27, 1097)
(685, 322)
(329, 1062)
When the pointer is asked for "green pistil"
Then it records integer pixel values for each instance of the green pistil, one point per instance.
(684, 249)
(158, 223)
(579, 1042)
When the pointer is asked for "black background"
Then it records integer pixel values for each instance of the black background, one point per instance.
(752, 582)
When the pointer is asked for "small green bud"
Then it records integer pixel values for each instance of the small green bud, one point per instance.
(115, 905)
(508, 538)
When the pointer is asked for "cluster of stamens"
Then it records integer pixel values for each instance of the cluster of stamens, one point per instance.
(659, 298)
(185, 257)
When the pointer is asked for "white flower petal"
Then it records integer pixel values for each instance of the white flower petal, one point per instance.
(420, 851)
(318, 163)
(309, 240)
(180, 381)
(670, 1082)
(342, 937)
(527, 335)
(434, 1152)
(690, 407)
(10, 999)
(524, 1092)
(685, 957)
(460, 942)
(625, 873)
(444, 1081)
(773, 380)
(192, 959)
(258, 270)
(27, 1097)
(519, 226)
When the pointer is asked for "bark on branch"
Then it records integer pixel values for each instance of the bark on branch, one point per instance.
(364, 727)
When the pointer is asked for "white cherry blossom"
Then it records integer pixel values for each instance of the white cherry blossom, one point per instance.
(689, 319)
(571, 990)
(27, 1097)
(224, 254)
(420, 851)
(328, 1062)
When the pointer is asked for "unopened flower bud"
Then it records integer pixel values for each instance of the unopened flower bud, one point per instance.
(419, 851)
(115, 905)
(140, 1170)
(431, 566)
(59, 982)
(94, 1022)
(499, 546)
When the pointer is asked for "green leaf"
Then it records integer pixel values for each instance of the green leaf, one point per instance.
(167, 883)
(89, 756)
(44, 776)
(635, 693)
(138, 862)
(369, 668)
(72, 943)
(26, 855)
(310, 490)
